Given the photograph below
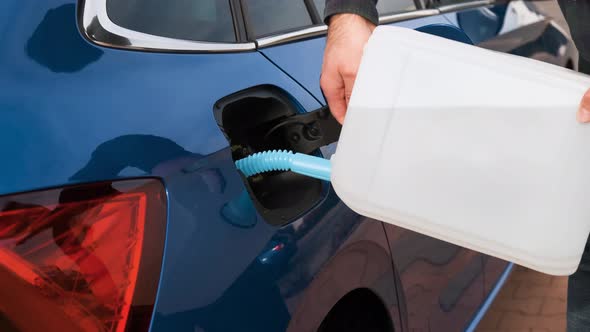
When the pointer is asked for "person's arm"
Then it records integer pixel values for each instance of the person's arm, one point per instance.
(363, 8)
(350, 24)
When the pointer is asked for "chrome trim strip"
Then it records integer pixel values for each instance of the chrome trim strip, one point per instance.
(408, 16)
(490, 298)
(291, 36)
(95, 25)
(322, 29)
(465, 5)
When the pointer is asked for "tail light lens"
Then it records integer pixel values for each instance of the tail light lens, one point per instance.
(82, 258)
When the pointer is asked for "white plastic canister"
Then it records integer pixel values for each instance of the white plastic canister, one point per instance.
(470, 146)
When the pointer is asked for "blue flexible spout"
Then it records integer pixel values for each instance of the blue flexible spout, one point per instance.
(283, 160)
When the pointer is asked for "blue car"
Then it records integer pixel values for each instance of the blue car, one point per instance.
(120, 205)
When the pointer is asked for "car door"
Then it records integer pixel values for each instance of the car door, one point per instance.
(442, 285)
(240, 254)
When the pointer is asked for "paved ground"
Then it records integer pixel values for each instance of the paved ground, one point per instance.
(530, 301)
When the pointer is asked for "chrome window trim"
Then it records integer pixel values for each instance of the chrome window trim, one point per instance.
(387, 19)
(96, 26)
(292, 36)
(319, 30)
(464, 5)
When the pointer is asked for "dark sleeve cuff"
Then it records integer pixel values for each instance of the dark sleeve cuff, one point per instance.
(364, 8)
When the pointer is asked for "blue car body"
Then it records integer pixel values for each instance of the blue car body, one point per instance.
(76, 109)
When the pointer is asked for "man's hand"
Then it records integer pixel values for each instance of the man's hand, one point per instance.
(584, 112)
(347, 36)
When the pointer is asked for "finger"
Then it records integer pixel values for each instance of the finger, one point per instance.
(349, 73)
(584, 111)
(348, 87)
(333, 88)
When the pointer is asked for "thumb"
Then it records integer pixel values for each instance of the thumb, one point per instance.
(584, 111)
(333, 89)
(348, 87)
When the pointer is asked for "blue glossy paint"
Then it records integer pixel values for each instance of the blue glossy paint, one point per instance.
(303, 60)
(482, 23)
(446, 31)
(61, 97)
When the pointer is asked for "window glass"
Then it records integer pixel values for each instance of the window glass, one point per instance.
(267, 17)
(320, 5)
(199, 20)
(385, 7)
(439, 3)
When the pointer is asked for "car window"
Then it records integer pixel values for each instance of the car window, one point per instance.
(202, 20)
(269, 17)
(439, 3)
(384, 7)
(320, 5)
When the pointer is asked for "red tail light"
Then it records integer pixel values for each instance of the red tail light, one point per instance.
(83, 258)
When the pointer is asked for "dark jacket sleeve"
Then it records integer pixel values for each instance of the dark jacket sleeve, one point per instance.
(577, 15)
(364, 8)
